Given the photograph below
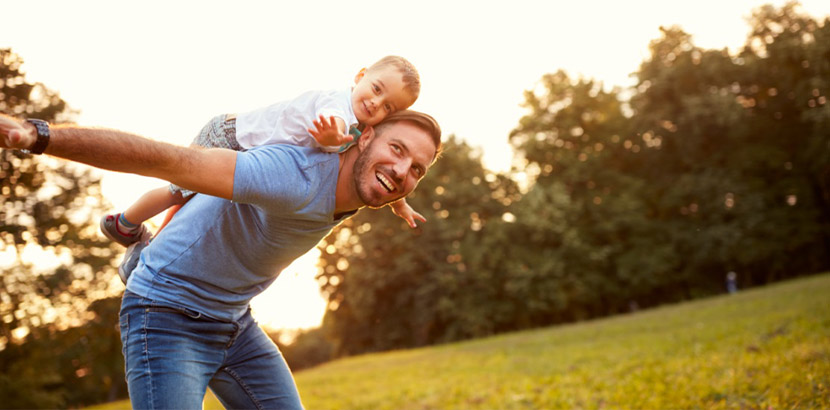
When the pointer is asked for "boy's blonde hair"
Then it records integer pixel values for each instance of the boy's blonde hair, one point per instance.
(411, 79)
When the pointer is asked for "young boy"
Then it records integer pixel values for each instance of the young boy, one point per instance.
(323, 119)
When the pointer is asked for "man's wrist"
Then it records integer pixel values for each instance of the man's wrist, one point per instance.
(42, 135)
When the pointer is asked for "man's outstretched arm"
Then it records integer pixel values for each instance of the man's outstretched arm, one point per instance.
(208, 171)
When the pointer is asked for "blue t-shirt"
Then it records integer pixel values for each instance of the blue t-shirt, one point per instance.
(216, 255)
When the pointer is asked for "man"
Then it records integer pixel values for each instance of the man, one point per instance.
(185, 317)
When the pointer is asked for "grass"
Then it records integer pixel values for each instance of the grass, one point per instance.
(766, 348)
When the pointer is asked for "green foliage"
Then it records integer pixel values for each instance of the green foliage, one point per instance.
(714, 162)
(48, 210)
(742, 160)
(390, 286)
(758, 349)
(308, 348)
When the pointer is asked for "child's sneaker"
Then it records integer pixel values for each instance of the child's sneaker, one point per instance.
(109, 228)
(131, 256)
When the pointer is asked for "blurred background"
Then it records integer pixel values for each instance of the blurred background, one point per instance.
(600, 158)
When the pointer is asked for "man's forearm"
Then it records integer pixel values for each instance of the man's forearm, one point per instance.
(207, 171)
(114, 150)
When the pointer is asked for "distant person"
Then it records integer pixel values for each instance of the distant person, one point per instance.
(185, 317)
(321, 119)
(732, 282)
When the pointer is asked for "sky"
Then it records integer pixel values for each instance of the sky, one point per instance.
(162, 68)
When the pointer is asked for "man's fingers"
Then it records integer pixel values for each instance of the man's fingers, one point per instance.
(17, 139)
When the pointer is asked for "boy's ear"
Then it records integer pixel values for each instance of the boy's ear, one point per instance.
(359, 75)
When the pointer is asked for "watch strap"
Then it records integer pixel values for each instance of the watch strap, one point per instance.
(42, 140)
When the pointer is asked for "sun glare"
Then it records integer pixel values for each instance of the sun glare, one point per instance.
(294, 300)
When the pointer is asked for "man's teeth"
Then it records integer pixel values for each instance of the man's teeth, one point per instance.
(385, 182)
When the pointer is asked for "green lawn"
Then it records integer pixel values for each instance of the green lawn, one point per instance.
(766, 348)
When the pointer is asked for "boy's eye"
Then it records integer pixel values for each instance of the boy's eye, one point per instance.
(375, 88)
(388, 107)
(418, 171)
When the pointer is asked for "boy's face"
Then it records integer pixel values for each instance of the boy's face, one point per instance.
(378, 93)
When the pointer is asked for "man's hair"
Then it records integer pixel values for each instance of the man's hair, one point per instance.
(423, 121)
(411, 79)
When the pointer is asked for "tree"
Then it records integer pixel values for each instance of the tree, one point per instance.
(585, 213)
(716, 162)
(54, 262)
(743, 153)
(392, 287)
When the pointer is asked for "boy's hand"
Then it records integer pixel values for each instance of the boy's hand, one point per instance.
(403, 210)
(328, 133)
(13, 134)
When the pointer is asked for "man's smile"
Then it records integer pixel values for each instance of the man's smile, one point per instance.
(385, 182)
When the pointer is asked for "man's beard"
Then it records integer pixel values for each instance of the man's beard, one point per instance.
(363, 185)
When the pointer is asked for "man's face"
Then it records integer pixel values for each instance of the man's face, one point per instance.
(391, 163)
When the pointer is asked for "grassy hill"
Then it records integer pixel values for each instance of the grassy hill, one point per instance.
(766, 348)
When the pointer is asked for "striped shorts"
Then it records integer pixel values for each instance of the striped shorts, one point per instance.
(219, 132)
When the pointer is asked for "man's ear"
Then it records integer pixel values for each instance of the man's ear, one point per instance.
(360, 75)
(367, 134)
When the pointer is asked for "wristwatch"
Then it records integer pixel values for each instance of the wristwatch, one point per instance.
(42, 141)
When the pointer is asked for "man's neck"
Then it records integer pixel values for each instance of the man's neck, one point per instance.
(345, 196)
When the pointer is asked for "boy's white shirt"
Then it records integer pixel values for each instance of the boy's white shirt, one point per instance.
(287, 122)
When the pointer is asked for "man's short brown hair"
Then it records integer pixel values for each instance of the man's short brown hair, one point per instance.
(423, 121)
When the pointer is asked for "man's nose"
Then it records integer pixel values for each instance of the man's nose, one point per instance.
(399, 170)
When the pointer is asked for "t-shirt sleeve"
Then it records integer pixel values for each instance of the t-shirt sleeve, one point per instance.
(329, 106)
(271, 176)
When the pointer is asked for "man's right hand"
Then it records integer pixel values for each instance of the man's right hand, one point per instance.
(16, 134)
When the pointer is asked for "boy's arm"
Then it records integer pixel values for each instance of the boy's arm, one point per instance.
(405, 212)
(331, 132)
(209, 171)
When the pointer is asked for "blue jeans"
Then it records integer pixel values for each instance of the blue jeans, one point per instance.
(174, 354)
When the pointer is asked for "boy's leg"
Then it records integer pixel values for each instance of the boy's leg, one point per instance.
(151, 204)
(128, 227)
(255, 375)
(170, 354)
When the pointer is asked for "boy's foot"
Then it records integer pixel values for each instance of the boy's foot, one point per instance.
(109, 227)
(131, 257)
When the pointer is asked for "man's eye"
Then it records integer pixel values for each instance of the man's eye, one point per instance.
(396, 148)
